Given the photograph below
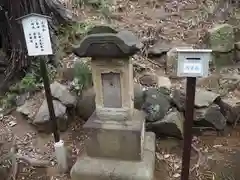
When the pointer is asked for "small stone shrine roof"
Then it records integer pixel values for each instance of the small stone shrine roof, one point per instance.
(108, 44)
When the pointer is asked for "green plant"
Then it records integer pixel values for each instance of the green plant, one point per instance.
(102, 6)
(82, 77)
(31, 82)
(69, 35)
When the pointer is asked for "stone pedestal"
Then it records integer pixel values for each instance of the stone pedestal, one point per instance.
(93, 168)
(119, 149)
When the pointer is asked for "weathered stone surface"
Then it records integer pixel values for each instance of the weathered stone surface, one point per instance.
(171, 125)
(138, 96)
(221, 59)
(210, 83)
(164, 82)
(116, 139)
(156, 104)
(29, 108)
(204, 98)
(210, 117)
(221, 38)
(230, 108)
(86, 104)
(42, 118)
(160, 47)
(172, 60)
(61, 93)
(87, 168)
(148, 79)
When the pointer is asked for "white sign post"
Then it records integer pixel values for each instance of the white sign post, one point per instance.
(192, 63)
(36, 33)
(38, 42)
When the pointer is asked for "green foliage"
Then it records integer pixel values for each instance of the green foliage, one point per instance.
(102, 6)
(70, 35)
(82, 77)
(31, 82)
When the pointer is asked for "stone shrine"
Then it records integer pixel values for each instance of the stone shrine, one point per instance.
(119, 147)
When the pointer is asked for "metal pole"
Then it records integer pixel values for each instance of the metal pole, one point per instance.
(49, 98)
(190, 98)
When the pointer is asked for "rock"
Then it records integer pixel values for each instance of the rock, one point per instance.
(172, 60)
(148, 79)
(204, 98)
(164, 82)
(210, 83)
(20, 100)
(223, 59)
(230, 108)
(221, 38)
(171, 125)
(28, 108)
(138, 96)
(61, 93)
(237, 45)
(160, 47)
(42, 118)
(86, 103)
(210, 117)
(156, 104)
(179, 98)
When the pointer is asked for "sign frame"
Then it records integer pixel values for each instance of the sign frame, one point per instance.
(193, 62)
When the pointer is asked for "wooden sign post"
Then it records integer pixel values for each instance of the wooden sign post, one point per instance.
(38, 42)
(192, 63)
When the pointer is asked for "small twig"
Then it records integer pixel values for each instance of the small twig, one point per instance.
(197, 165)
(32, 161)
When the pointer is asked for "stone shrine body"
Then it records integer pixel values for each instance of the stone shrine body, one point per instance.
(119, 147)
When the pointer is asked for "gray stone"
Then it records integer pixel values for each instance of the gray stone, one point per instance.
(138, 96)
(160, 47)
(164, 82)
(204, 98)
(221, 59)
(210, 117)
(148, 79)
(116, 139)
(221, 38)
(61, 93)
(86, 104)
(88, 168)
(42, 118)
(179, 98)
(21, 99)
(28, 109)
(171, 125)
(156, 104)
(210, 83)
(230, 108)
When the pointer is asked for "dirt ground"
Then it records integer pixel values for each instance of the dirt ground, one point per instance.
(219, 155)
(169, 20)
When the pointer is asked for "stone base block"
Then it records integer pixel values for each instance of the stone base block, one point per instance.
(89, 168)
(121, 140)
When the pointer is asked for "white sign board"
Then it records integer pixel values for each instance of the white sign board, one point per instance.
(193, 62)
(37, 35)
